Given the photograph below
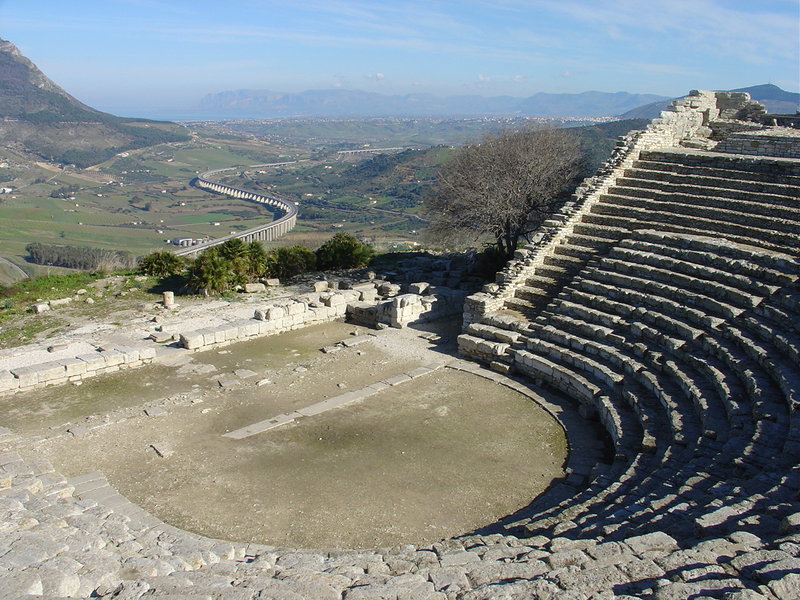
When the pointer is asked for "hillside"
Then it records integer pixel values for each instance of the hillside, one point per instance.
(776, 100)
(38, 117)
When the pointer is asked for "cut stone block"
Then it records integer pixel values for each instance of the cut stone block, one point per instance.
(73, 366)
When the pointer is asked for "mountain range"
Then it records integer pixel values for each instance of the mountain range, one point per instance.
(337, 103)
(353, 103)
(38, 117)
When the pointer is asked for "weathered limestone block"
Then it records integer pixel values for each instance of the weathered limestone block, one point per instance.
(248, 329)
(389, 289)
(320, 286)
(60, 302)
(296, 308)
(51, 371)
(273, 282)
(310, 298)
(192, 340)
(266, 327)
(113, 357)
(252, 288)
(364, 286)
(72, 367)
(419, 287)
(26, 376)
(350, 295)
(8, 381)
(93, 360)
(231, 332)
(407, 300)
(275, 313)
(320, 313)
(368, 295)
(40, 307)
(129, 353)
(333, 300)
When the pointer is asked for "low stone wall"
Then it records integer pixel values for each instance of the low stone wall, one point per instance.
(277, 317)
(105, 360)
(782, 143)
(373, 303)
(364, 304)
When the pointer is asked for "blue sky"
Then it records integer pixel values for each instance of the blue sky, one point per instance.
(148, 53)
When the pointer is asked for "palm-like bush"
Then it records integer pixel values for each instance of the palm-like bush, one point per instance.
(210, 273)
(161, 264)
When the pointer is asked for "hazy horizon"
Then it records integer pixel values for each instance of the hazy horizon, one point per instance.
(152, 55)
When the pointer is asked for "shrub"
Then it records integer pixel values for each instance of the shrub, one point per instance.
(161, 264)
(489, 262)
(285, 263)
(343, 251)
(209, 273)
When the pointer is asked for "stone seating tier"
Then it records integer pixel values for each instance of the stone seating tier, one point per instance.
(658, 328)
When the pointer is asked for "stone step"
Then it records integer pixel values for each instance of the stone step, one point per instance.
(738, 215)
(553, 272)
(543, 282)
(505, 321)
(720, 180)
(524, 306)
(782, 369)
(580, 252)
(495, 334)
(606, 274)
(571, 264)
(535, 295)
(612, 234)
(700, 280)
(724, 174)
(640, 218)
(763, 206)
(763, 166)
(752, 267)
(623, 301)
(590, 241)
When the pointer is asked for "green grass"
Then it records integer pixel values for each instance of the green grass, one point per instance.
(204, 218)
(19, 335)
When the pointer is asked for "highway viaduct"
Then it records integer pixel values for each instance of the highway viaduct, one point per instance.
(262, 233)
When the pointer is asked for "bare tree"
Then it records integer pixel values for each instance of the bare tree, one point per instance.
(505, 186)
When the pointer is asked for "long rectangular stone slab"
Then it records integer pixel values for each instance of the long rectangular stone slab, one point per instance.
(331, 403)
(262, 426)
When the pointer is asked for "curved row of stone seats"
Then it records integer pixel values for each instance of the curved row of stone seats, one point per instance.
(748, 201)
(715, 401)
(79, 538)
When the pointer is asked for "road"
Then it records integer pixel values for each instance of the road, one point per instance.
(14, 268)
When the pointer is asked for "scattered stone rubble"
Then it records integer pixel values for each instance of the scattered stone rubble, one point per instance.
(673, 326)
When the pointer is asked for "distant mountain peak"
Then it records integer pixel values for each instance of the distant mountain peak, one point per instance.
(8, 47)
(37, 108)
